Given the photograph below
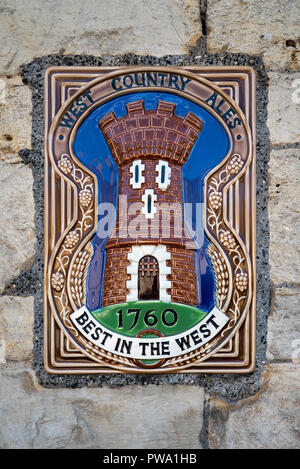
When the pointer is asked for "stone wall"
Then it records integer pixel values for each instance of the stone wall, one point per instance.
(183, 276)
(260, 410)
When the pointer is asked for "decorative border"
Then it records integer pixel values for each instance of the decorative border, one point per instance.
(227, 247)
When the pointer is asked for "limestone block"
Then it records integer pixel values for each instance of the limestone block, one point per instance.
(284, 211)
(16, 327)
(36, 28)
(269, 420)
(127, 417)
(17, 240)
(15, 118)
(284, 325)
(284, 108)
(270, 28)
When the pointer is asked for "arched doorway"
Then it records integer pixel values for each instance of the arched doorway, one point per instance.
(148, 279)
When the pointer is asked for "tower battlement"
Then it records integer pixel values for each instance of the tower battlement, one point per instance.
(154, 134)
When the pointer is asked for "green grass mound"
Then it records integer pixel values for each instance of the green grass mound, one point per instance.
(131, 318)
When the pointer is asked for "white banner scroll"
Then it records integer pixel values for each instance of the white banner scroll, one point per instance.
(149, 348)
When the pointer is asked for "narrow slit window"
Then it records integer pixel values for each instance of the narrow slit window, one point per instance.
(163, 174)
(163, 178)
(148, 279)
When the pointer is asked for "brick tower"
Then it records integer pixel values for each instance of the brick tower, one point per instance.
(149, 255)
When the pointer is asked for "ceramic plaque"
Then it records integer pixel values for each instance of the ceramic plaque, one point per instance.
(149, 220)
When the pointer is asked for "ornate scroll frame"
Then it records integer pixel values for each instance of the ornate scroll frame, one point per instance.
(70, 222)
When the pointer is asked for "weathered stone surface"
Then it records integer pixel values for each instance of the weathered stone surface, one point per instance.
(284, 211)
(99, 28)
(284, 325)
(16, 221)
(15, 118)
(16, 327)
(128, 417)
(284, 108)
(268, 420)
(255, 27)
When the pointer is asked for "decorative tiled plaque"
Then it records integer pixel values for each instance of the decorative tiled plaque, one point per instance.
(149, 220)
